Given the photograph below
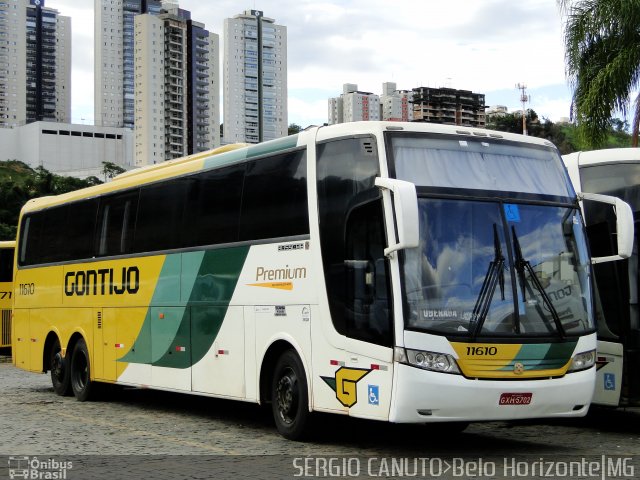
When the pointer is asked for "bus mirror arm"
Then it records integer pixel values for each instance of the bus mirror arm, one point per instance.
(624, 225)
(405, 205)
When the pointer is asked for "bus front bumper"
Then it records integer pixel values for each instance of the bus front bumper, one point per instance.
(422, 396)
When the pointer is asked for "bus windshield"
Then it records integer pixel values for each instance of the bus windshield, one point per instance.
(485, 164)
(493, 267)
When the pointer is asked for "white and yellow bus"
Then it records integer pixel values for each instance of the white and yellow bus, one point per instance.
(403, 272)
(6, 291)
(613, 172)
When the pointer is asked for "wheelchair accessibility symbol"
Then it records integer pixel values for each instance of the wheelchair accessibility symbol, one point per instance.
(374, 396)
(609, 381)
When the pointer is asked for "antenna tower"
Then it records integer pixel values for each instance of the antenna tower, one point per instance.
(524, 98)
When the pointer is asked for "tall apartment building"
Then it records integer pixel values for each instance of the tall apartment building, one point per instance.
(396, 105)
(156, 71)
(255, 78)
(114, 67)
(449, 106)
(176, 87)
(35, 63)
(353, 105)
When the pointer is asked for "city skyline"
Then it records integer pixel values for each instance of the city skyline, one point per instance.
(485, 48)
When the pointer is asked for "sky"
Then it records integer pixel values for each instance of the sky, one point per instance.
(485, 46)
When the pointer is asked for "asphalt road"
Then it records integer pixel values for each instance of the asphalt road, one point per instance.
(149, 434)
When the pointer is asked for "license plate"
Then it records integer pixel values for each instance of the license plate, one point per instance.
(515, 398)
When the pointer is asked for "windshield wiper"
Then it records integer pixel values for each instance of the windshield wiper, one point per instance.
(523, 265)
(493, 277)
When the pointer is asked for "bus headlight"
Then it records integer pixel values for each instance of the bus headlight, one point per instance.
(434, 361)
(583, 361)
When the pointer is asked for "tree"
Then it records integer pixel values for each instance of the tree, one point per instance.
(20, 183)
(110, 170)
(512, 122)
(603, 63)
(563, 136)
(294, 128)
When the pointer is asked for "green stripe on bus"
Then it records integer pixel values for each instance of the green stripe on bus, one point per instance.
(273, 146)
(226, 158)
(543, 356)
(209, 279)
(257, 150)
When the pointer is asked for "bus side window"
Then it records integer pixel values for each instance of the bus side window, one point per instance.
(6, 265)
(168, 200)
(282, 180)
(349, 210)
(116, 223)
(368, 307)
(213, 206)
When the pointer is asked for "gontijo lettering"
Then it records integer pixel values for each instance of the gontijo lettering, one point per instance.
(102, 282)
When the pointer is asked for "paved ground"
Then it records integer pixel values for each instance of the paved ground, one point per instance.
(142, 433)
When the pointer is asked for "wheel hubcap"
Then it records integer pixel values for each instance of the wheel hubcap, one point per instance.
(81, 367)
(58, 366)
(287, 396)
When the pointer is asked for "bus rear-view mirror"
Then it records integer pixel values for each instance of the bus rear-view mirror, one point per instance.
(405, 205)
(624, 225)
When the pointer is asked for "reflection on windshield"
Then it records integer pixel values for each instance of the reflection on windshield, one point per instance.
(463, 279)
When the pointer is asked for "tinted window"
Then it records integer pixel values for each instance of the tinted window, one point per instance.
(29, 235)
(368, 300)
(617, 282)
(274, 201)
(41, 235)
(160, 213)
(53, 236)
(116, 222)
(80, 229)
(352, 239)
(59, 234)
(6, 265)
(213, 206)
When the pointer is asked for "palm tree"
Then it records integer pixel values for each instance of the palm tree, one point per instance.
(602, 42)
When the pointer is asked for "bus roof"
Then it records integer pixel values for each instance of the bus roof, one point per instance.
(608, 155)
(179, 161)
(356, 128)
(225, 155)
(238, 153)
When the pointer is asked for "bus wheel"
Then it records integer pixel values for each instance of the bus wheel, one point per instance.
(59, 366)
(289, 396)
(81, 383)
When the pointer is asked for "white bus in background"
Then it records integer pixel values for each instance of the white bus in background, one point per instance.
(404, 272)
(613, 172)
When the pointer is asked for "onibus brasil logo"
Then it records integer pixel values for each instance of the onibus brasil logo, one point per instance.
(50, 469)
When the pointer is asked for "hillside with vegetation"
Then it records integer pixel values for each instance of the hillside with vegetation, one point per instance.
(20, 183)
(563, 135)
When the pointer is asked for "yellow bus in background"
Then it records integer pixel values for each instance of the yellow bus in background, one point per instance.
(6, 290)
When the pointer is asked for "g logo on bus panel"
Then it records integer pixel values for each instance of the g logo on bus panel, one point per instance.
(344, 384)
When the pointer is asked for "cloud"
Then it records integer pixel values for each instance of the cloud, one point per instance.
(480, 46)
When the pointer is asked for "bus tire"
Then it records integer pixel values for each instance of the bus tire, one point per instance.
(290, 397)
(81, 383)
(59, 366)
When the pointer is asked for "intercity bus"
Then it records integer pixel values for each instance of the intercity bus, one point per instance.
(613, 172)
(404, 272)
(6, 291)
